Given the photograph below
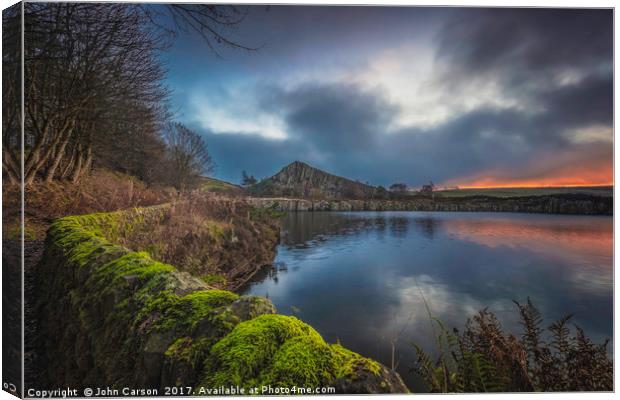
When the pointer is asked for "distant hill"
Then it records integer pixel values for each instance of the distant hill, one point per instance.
(219, 186)
(299, 179)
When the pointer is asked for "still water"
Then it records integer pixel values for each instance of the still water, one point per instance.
(361, 278)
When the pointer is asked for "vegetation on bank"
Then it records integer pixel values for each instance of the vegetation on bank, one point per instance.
(100, 191)
(222, 240)
(484, 358)
(225, 241)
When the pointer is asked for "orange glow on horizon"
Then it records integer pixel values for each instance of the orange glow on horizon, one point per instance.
(569, 177)
(533, 185)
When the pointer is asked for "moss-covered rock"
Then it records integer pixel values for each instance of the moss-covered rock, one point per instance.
(115, 317)
(283, 351)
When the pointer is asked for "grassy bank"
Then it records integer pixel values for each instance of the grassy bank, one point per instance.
(100, 191)
(223, 241)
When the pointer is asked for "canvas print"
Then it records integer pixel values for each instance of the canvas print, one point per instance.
(213, 199)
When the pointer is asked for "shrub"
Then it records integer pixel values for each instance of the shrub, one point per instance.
(486, 359)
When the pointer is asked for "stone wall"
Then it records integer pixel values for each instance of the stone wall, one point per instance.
(111, 317)
(552, 204)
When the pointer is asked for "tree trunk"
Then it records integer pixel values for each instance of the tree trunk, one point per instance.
(60, 153)
(11, 167)
(71, 163)
(36, 160)
(68, 167)
(84, 165)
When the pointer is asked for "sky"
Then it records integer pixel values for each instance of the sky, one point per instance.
(466, 97)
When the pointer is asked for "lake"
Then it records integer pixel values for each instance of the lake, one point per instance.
(362, 277)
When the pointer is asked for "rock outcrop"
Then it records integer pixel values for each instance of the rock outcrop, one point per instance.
(302, 180)
(117, 318)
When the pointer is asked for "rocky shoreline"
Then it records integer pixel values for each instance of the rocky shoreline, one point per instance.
(551, 204)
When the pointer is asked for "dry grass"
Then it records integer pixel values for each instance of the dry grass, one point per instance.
(220, 239)
(101, 191)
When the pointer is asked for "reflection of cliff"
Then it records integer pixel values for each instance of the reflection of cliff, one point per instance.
(550, 204)
(428, 226)
(302, 228)
(306, 227)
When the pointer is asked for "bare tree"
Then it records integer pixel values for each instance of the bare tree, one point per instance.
(94, 81)
(84, 65)
(398, 187)
(188, 156)
(11, 93)
(428, 189)
(212, 22)
(247, 180)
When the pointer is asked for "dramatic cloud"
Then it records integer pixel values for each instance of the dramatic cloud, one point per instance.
(526, 46)
(335, 117)
(457, 96)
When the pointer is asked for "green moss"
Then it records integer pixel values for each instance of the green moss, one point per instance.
(214, 279)
(182, 313)
(139, 265)
(240, 357)
(177, 348)
(347, 362)
(279, 350)
(305, 360)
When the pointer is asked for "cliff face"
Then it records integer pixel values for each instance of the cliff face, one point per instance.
(302, 180)
(554, 204)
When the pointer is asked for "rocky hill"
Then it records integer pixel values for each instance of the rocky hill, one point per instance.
(299, 179)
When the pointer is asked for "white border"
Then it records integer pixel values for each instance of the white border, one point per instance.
(480, 3)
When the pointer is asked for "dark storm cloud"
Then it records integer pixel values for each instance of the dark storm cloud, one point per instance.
(585, 103)
(531, 52)
(333, 126)
(505, 143)
(292, 37)
(526, 43)
(334, 117)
